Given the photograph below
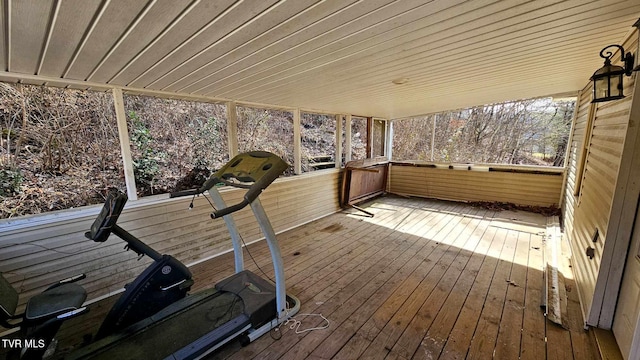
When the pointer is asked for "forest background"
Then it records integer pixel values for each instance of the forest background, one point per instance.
(60, 147)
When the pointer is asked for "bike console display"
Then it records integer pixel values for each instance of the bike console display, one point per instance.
(108, 217)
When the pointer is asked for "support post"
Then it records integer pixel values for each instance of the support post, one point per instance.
(369, 137)
(232, 129)
(347, 136)
(389, 142)
(567, 151)
(297, 143)
(125, 146)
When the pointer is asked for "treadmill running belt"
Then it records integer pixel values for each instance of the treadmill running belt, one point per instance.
(162, 339)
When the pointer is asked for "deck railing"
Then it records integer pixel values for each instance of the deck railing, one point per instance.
(521, 185)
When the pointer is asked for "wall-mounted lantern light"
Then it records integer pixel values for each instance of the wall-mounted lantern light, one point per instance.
(607, 81)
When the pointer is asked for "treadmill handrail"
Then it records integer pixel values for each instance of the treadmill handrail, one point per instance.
(229, 209)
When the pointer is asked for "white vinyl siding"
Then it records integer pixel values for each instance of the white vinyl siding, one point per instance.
(522, 188)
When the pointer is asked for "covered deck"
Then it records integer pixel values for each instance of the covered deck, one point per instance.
(422, 279)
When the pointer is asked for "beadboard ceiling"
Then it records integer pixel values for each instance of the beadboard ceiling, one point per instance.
(336, 56)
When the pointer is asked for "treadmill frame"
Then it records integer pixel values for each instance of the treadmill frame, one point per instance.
(283, 312)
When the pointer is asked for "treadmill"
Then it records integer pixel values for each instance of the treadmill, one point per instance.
(243, 306)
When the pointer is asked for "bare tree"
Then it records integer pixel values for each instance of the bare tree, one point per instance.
(522, 132)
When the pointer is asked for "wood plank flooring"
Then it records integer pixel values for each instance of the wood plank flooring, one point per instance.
(423, 279)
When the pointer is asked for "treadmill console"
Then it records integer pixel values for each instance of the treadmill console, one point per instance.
(253, 166)
(108, 217)
(254, 170)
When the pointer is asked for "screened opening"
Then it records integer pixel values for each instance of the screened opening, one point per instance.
(266, 130)
(318, 143)
(175, 144)
(527, 132)
(378, 137)
(413, 138)
(359, 135)
(60, 149)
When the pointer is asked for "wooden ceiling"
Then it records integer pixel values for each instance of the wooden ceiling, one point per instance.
(336, 56)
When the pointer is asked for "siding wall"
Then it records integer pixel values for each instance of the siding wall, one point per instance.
(38, 250)
(524, 188)
(574, 157)
(590, 210)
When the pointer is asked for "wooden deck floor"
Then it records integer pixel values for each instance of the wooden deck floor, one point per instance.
(422, 279)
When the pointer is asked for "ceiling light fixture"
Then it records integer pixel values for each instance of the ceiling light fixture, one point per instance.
(400, 81)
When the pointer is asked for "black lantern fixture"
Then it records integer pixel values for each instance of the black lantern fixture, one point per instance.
(607, 81)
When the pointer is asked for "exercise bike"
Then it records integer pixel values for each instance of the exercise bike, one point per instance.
(155, 319)
(43, 316)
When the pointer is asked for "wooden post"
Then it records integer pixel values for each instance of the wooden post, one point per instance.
(297, 143)
(232, 129)
(567, 151)
(369, 137)
(125, 146)
(338, 153)
(389, 142)
(347, 135)
(584, 151)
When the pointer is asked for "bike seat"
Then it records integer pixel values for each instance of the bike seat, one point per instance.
(55, 301)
